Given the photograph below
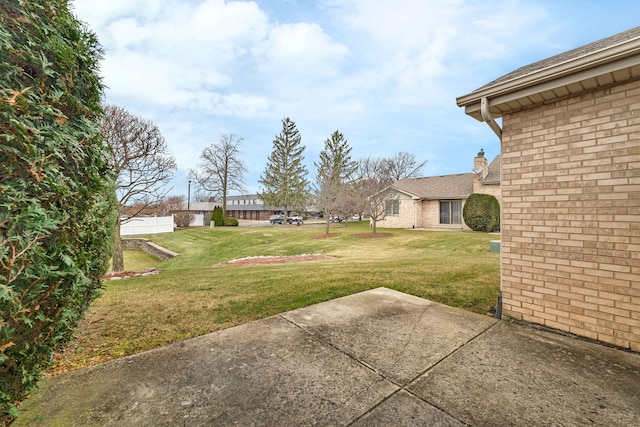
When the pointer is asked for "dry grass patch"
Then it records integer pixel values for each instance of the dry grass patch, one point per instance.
(190, 298)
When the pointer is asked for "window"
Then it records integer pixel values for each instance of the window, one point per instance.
(451, 212)
(393, 207)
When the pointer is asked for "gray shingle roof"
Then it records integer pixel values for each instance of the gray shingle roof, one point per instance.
(493, 176)
(566, 56)
(438, 187)
(458, 186)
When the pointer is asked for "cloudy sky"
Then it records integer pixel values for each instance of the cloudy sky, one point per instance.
(385, 73)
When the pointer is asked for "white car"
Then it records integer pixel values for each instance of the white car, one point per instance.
(294, 218)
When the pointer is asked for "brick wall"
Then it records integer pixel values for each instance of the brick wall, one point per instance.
(431, 216)
(492, 189)
(571, 215)
(405, 217)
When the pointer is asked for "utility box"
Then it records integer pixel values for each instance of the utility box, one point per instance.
(213, 223)
(494, 246)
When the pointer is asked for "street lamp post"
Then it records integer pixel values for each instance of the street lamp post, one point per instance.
(189, 204)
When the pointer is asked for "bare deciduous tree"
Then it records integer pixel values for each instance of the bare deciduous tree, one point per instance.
(142, 162)
(221, 169)
(374, 187)
(335, 171)
(183, 219)
(404, 165)
(169, 205)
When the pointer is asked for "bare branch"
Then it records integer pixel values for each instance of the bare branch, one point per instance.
(221, 169)
(141, 160)
(404, 165)
(374, 187)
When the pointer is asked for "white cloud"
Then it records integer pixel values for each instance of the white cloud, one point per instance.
(385, 72)
(301, 48)
(411, 49)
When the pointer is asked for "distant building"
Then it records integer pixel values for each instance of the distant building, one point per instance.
(437, 201)
(249, 207)
(242, 207)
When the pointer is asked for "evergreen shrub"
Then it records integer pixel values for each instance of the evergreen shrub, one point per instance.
(57, 191)
(217, 217)
(481, 212)
(231, 222)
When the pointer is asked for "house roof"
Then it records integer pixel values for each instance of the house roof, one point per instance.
(458, 186)
(493, 176)
(615, 59)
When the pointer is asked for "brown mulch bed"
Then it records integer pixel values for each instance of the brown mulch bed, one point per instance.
(267, 260)
(127, 274)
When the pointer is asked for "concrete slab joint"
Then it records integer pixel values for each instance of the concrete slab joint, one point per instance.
(377, 358)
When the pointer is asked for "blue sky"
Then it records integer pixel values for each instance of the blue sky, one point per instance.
(385, 73)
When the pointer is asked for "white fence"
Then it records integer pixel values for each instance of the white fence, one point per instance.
(198, 221)
(146, 225)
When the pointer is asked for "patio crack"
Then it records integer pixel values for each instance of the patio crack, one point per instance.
(361, 390)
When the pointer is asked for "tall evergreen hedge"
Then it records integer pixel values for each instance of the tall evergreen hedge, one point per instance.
(57, 197)
(217, 216)
(481, 212)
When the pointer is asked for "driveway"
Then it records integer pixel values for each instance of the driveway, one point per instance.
(377, 358)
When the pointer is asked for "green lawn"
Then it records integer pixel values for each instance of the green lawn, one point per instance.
(194, 295)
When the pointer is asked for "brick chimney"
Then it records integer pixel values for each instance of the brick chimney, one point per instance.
(480, 165)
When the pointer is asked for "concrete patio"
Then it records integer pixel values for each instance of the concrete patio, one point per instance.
(378, 358)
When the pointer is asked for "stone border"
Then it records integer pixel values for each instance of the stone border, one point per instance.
(149, 247)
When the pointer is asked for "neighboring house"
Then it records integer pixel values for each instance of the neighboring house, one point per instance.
(251, 207)
(243, 207)
(437, 201)
(571, 188)
(240, 207)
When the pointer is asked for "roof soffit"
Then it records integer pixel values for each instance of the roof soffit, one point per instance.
(613, 64)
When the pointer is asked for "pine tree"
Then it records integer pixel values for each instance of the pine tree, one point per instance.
(284, 181)
(335, 171)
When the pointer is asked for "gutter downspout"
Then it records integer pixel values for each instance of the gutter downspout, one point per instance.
(487, 117)
(415, 202)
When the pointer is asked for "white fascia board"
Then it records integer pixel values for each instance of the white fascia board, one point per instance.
(596, 63)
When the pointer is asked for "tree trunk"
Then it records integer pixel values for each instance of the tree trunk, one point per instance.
(328, 221)
(374, 226)
(117, 262)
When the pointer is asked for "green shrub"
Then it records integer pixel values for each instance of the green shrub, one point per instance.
(231, 222)
(481, 212)
(57, 191)
(217, 217)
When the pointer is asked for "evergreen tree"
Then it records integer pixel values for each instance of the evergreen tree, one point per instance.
(57, 192)
(284, 181)
(335, 172)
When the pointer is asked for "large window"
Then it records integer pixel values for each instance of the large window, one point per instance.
(451, 212)
(393, 207)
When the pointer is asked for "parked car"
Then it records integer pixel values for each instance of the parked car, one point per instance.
(276, 219)
(355, 217)
(295, 218)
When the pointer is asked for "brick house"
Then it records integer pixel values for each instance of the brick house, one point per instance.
(570, 183)
(437, 201)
